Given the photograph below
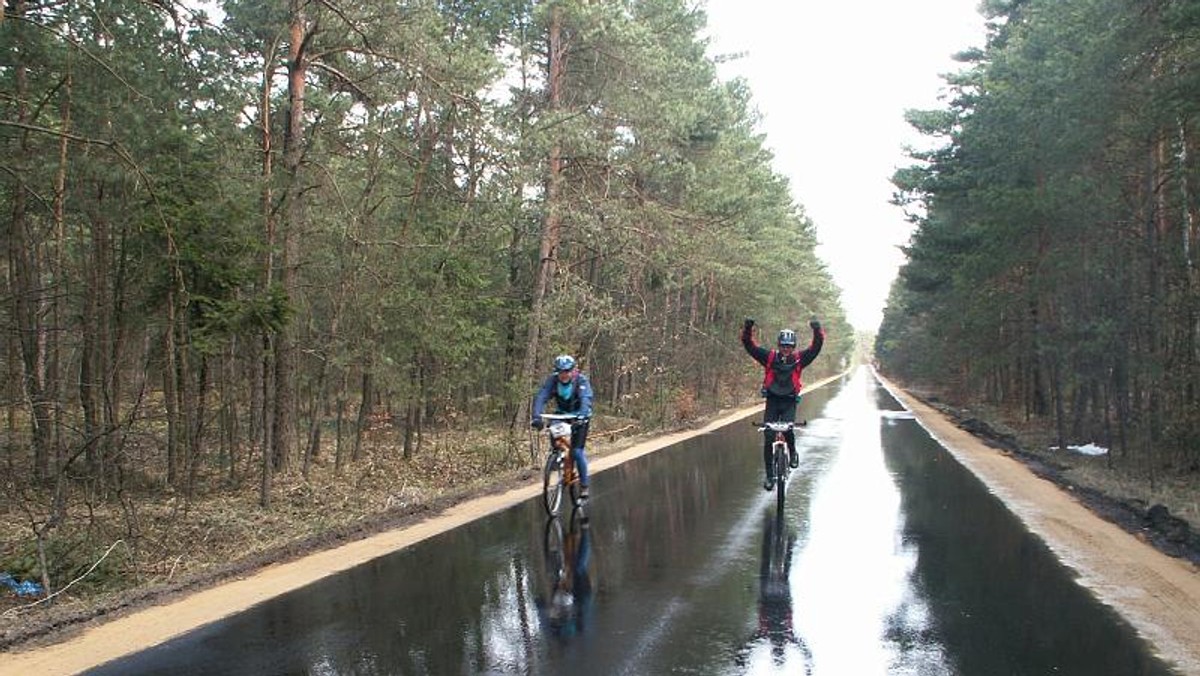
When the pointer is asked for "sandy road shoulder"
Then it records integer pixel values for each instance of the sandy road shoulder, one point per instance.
(1157, 594)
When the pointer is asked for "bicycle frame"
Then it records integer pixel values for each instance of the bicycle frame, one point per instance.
(559, 474)
(561, 444)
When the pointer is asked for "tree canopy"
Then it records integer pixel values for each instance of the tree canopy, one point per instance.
(234, 231)
(1053, 267)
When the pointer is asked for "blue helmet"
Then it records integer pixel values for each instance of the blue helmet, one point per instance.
(787, 338)
(564, 362)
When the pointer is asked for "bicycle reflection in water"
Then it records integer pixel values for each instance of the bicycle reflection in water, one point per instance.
(566, 606)
(775, 627)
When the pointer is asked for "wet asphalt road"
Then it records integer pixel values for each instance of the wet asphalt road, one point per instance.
(888, 558)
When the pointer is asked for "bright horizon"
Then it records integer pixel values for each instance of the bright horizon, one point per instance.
(831, 82)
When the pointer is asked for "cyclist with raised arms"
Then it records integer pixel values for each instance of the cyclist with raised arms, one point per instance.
(781, 383)
(572, 393)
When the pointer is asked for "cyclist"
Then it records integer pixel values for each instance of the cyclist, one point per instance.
(572, 393)
(781, 383)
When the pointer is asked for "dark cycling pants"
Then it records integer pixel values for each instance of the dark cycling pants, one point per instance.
(779, 409)
(578, 439)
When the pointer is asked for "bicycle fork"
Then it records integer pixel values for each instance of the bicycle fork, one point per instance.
(782, 456)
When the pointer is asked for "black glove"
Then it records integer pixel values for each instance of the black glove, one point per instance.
(815, 325)
(748, 323)
(536, 423)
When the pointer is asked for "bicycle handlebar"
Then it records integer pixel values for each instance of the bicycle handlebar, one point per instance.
(570, 417)
(778, 426)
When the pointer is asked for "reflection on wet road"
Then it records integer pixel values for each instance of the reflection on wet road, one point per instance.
(888, 558)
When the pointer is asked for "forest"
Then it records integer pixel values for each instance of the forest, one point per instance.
(1053, 269)
(239, 235)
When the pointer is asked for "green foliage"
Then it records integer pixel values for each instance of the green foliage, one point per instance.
(1053, 262)
(400, 253)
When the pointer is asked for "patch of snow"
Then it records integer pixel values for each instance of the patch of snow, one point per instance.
(1086, 449)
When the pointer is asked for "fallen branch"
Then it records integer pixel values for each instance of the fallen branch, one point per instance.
(616, 431)
(13, 611)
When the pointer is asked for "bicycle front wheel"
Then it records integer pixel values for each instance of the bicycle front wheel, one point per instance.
(552, 484)
(781, 472)
(554, 546)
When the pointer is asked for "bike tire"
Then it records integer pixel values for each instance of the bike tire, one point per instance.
(552, 484)
(554, 546)
(781, 472)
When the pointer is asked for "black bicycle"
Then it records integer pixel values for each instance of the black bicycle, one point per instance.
(559, 474)
(779, 454)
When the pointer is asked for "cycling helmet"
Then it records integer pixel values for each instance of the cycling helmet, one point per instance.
(787, 338)
(565, 362)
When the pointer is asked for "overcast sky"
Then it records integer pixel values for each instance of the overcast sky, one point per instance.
(832, 79)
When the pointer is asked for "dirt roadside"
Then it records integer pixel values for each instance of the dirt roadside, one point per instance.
(1157, 594)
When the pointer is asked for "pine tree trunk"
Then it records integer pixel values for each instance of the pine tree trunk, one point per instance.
(284, 422)
(24, 280)
(262, 397)
(552, 223)
(364, 413)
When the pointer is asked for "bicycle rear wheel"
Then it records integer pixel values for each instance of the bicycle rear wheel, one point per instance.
(552, 484)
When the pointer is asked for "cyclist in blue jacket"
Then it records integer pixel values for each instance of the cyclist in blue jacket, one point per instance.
(572, 393)
(781, 383)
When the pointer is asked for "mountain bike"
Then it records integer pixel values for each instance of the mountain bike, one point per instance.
(779, 454)
(559, 474)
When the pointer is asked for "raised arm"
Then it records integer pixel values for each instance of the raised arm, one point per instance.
(814, 348)
(752, 347)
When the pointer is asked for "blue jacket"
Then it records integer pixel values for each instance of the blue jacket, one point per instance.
(574, 396)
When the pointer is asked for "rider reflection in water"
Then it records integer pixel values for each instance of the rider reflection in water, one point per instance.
(775, 595)
(567, 609)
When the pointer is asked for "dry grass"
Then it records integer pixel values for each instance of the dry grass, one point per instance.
(1180, 494)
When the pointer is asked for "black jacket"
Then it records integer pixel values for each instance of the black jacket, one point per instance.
(782, 379)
